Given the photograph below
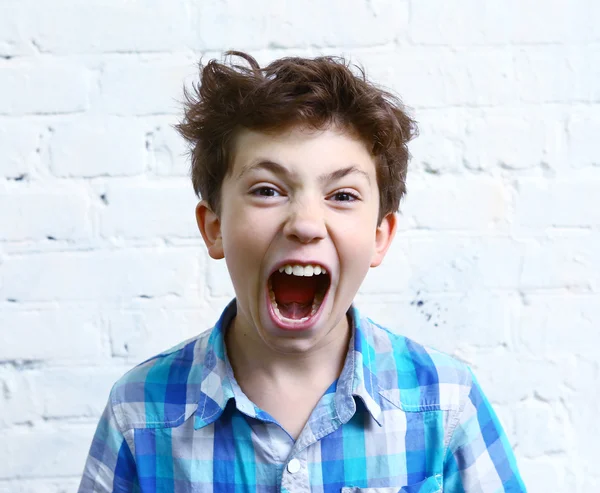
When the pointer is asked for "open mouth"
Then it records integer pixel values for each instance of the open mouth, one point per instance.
(297, 292)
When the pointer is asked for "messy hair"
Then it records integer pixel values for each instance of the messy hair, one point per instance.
(312, 93)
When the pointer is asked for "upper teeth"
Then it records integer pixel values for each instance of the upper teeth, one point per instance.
(302, 270)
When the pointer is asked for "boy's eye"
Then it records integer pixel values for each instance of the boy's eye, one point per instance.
(265, 192)
(344, 197)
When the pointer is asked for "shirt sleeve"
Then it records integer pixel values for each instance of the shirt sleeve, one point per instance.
(479, 458)
(110, 466)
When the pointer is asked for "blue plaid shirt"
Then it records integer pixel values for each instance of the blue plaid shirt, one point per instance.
(400, 418)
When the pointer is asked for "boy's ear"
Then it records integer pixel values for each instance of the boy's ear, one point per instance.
(383, 238)
(209, 225)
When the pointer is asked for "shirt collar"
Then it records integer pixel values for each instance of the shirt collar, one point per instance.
(358, 377)
(215, 387)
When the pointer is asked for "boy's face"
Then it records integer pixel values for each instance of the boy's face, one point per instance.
(299, 198)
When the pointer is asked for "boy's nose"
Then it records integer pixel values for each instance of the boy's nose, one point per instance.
(305, 224)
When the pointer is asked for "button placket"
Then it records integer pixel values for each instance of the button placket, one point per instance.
(295, 478)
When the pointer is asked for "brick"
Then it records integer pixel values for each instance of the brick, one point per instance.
(98, 147)
(558, 203)
(67, 333)
(437, 77)
(441, 22)
(154, 209)
(263, 24)
(168, 152)
(20, 146)
(546, 474)
(13, 39)
(514, 139)
(541, 427)
(18, 402)
(102, 275)
(101, 26)
(60, 212)
(558, 74)
(560, 325)
(31, 392)
(140, 333)
(559, 21)
(59, 451)
(580, 374)
(3, 257)
(582, 404)
(582, 407)
(447, 323)
(145, 86)
(562, 262)
(74, 392)
(396, 266)
(583, 128)
(218, 279)
(44, 88)
(424, 78)
(460, 264)
(523, 376)
(490, 74)
(472, 22)
(456, 203)
(546, 74)
(439, 147)
(46, 485)
(585, 63)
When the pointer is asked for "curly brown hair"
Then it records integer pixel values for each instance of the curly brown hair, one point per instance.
(312, 93)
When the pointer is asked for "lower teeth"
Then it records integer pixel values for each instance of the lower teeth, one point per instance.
(315, 306)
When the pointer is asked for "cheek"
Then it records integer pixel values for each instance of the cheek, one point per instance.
(359, 229)
(246, 241)
(356, 245)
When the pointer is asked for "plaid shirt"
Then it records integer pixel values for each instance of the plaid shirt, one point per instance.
(400, 418)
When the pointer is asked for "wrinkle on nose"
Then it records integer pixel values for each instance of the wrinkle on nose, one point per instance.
(305, 224)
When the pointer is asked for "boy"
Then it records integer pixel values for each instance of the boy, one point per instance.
(301, 167)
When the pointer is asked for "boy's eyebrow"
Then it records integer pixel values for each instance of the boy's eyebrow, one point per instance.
(280, 170)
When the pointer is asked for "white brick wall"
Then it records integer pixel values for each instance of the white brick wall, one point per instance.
(498, 256)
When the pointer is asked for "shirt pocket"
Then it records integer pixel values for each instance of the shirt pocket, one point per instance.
(432, 484)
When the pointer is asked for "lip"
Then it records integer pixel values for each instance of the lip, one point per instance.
(297, 326)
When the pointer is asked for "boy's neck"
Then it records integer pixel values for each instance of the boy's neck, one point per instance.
(251, 357)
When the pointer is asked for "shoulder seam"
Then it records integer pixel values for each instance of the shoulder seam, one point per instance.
(466, 390)
(113, 405)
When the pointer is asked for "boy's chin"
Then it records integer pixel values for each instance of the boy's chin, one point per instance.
(289, 342)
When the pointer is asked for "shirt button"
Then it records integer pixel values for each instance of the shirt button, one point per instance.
(293, 466)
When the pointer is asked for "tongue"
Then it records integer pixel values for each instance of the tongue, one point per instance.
(295, 310)
(294, 289)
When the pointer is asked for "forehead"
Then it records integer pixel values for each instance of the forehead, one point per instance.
(301, 149)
